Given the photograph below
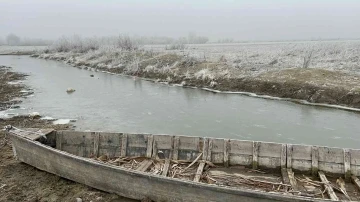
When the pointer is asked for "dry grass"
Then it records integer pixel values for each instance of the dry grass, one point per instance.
(316, 77)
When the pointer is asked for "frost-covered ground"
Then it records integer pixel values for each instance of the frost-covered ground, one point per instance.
(20, 49)
(332, 55)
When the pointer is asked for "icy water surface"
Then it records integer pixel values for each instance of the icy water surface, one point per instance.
(123, 104)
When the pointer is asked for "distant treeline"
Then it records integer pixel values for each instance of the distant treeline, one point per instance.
(14, 40)
(192, 38)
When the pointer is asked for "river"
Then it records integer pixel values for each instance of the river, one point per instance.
(108, 102)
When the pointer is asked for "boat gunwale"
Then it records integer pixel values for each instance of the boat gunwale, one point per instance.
(214, 138)
(217, 188)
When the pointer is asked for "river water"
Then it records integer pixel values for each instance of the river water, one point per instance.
(116, 103)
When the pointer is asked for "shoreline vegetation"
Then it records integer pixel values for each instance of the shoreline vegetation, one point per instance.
(326, 73)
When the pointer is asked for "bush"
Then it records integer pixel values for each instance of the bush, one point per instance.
(176, 46)
(75, 44)
(125, 43)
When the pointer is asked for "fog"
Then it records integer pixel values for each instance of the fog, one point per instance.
(237, 19)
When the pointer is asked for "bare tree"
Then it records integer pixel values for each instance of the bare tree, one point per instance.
(307, 58)
(12, 40)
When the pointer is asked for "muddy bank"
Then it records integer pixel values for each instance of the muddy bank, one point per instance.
(11, 88)
(309, 84)
(21, 182)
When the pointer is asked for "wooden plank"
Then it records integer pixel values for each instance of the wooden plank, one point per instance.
(314, 160)
(292, 179)
(32, 133)
(149, 146)
(347, 167)
(328, 187)
(269, 149)
(199, 172)
(59, 137)
(166, 168)
(155, 151)
(211, 143)
(144, 165)
(123, 145)
(283, 156)
(96, 144)
(356, 181)
(331, 155)
(301, 152)
(285, 176)
(289, 152)
(226, 152)
(205, 148)
(176, 148)
(255, 155)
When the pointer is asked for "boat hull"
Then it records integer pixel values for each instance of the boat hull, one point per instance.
(130, 183)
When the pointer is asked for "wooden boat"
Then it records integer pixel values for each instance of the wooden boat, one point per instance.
(181, 168)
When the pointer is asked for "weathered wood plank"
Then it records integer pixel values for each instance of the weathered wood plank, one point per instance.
(96, 144)
(205, 148)
(292, 179)
(285, 176)
(123, 145)
(211, 142)
(269, 149)
(226, 152)
(32, 133)
(149, 146)
(301, 152)
(255, 155)
(314, 160)
(347, 166)
(199, 172)
(176, 148)
(59, 137)
(328, 187)
(166, 168)
(331, 155)
(356, 181)
(144, 165)
(283, 156)
(155, 151)
(289, 152)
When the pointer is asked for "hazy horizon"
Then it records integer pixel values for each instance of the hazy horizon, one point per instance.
(242, 20)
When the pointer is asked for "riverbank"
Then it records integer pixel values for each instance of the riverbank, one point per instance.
(11, 88)
(314, 85)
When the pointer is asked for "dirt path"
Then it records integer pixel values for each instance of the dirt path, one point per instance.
(21, 182)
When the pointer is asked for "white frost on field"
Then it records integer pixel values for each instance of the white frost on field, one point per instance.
(15, 49)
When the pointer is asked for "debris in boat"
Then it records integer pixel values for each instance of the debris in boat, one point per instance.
(70, 90)
(341, 183)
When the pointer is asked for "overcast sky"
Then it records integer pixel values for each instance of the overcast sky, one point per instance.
(238, 19)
